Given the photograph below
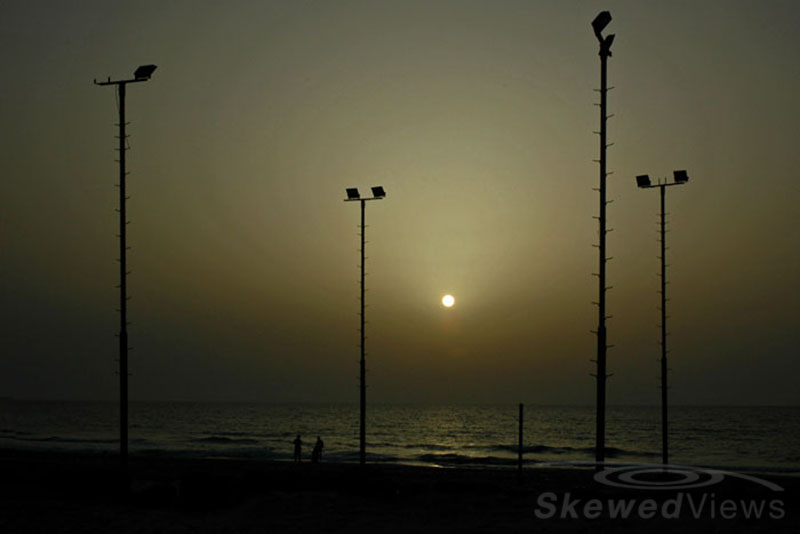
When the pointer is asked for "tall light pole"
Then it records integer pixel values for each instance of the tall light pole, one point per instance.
(352, 196)
(599, 24)
(142, 74)
(643, 181)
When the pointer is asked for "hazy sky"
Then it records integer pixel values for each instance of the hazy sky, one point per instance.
(477, 118)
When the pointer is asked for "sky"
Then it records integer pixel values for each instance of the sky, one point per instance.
(477, 118)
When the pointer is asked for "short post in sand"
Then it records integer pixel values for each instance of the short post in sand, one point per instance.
(519, 444)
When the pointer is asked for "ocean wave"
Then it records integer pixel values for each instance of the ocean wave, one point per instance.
(58, 439)
(429, 446)
(611, 452)
(14, 432)
(255, 453)
(222, 440)
(462, 459)
(232, 434)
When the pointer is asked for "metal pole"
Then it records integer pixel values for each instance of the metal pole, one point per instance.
(363, 420)
(123, 293)
(142, 74)
(664, 449)
(519, 445)
(601, 304)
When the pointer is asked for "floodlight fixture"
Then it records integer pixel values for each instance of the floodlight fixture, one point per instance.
(643, 180)
(681, 177)
(144, 72)
(599, 24)
(378, 192)
(141, 74)
(606, 43)
(352, 194)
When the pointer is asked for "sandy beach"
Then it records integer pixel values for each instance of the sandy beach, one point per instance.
(65, 492)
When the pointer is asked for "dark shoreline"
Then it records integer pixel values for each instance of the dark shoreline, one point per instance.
(60, 492)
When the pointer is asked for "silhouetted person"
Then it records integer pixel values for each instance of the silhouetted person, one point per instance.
(316, 454)
(298, 444)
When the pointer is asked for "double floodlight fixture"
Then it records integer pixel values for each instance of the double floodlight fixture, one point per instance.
(643, 180)
(353, 194)
(599, 24)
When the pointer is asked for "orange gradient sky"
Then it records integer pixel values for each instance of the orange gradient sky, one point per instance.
(477, 118)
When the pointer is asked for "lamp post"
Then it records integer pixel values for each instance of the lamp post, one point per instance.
(354, 196)
(643, 181)
(142, 74)
(599, 24)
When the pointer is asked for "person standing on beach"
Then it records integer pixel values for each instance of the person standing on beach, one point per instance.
(297, 446)
(316, 455)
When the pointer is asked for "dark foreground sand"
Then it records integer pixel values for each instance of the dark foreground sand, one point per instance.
(60, 492)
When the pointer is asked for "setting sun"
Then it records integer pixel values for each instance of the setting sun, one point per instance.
(448, 301)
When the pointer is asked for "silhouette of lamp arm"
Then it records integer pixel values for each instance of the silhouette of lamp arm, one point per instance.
(680, 178)
(142, 74)
(353, 195)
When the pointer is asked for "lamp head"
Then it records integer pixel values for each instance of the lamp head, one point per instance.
(378, 192)
(352, 193)
(144, 72)
(680, 177)
(643, 180)
(599, 24)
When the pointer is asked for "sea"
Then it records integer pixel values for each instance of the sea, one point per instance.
(762, 439)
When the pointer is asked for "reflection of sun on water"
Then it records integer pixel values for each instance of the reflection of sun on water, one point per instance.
(448, 301)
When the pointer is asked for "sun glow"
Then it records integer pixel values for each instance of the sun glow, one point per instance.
(448, 301)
